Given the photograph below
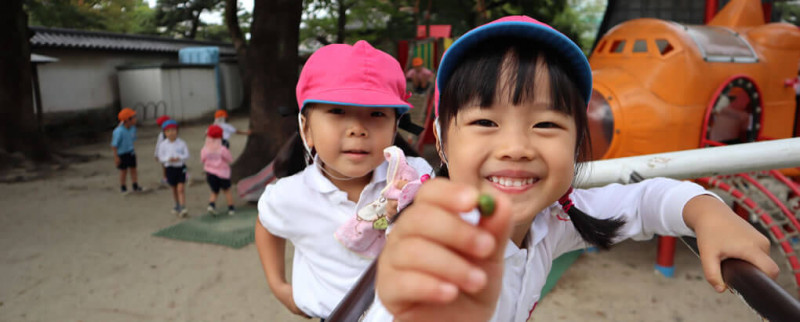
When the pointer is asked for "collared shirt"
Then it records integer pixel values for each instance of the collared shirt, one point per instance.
(173, 149)
(159, 139)
(122, 138)
(650, 207)
(227, 130)
(307, 209)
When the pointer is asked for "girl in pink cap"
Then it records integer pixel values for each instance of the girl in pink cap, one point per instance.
(511, 123)
(332, 202)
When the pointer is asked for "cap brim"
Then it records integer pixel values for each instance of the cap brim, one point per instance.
(551, 38)
(365, 98)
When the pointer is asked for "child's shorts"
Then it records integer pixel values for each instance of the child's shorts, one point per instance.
(216, 183)
(127, 160)
(176, 175)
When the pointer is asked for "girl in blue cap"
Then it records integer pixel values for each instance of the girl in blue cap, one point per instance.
(511, 122)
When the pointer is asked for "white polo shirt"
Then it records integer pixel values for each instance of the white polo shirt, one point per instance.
(650, 207)
(307, 209)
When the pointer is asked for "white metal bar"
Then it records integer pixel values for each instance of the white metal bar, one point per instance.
(698, 163)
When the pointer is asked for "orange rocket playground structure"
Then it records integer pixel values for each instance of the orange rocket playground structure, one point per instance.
(662, 86)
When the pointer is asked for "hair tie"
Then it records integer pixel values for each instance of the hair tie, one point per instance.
(565, 201)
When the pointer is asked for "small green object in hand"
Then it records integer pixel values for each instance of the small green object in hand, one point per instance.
(486, 204)
(380, 224)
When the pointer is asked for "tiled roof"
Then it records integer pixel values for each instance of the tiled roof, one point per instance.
(70, 38)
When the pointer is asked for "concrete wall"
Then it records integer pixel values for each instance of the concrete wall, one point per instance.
(232, 85)
(183, 93)
(85, 80)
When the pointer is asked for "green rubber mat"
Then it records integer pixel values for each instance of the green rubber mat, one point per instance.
(560, 265)
(233, 231)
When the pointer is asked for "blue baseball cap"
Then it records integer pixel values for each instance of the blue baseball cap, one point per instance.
(526, 28)
(169, 124)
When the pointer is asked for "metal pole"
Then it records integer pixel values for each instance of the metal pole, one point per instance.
(698, 163)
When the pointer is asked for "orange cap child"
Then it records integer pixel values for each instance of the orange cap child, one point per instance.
(214, 132)
(126, 114)
(161, 119)
(416, 62)
(221, 113)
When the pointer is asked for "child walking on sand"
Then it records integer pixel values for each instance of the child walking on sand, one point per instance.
(216, 160)
(350, 98)
(173, 154)
(220, 119)
(161, 137)
(511, 123)
(122, 140)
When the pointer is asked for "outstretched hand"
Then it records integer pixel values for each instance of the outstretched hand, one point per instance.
(438, 267)
(721, 234)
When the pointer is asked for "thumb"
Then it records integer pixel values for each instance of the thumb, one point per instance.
(711, 268)
(498, 224)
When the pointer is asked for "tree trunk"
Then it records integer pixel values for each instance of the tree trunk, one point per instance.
(240, 43)
(18, 127)
(273, 61)
(341, 22)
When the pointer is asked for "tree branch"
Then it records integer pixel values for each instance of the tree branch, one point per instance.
(232, 22)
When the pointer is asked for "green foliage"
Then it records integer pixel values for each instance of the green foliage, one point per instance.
(789, 11)
(126, 16)
(383, 22)
(181, 18)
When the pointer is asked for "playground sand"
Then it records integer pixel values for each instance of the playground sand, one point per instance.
(74, 249)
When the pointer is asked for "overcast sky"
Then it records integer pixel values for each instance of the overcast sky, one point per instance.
(214, 17)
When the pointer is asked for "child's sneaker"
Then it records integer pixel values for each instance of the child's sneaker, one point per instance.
(184, 213)
(211, 211)
(231, 212)
(137, 188)
(176, 211)
(123, 190)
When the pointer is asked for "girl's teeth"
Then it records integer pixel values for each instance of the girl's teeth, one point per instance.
(509, 182)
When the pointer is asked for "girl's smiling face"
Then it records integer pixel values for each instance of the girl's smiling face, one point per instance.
(349, 139)
(525, 150)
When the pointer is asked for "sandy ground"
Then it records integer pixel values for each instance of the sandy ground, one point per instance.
(74, 249)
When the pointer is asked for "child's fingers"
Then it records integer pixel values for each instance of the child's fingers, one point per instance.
(499, 224)
(711, 269)
(432, 259)
(406, 288)
(447, 195)
(441, 227)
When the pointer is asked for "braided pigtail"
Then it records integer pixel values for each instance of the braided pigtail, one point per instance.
(598, 232)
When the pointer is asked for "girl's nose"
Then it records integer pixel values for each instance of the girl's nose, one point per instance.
(515, 147)
(356, 130)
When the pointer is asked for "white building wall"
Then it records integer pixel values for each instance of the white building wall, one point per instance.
(231, 85)
(83, 80)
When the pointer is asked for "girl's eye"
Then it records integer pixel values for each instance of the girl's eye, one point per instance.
(546, 125)
(336, 111)
(483, 122)
(378, 114)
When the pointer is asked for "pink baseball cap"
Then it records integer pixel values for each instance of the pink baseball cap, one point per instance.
(526, 28)
(357, 75)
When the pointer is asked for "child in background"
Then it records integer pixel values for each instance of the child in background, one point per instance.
(350, 98)
(216, 162)
(420, 76)
(173, 153)
(220, 117)
(122, 140)
(161, 137)
(521, 139)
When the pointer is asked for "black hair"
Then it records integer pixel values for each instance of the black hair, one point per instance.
(476, 79)
(292, 156)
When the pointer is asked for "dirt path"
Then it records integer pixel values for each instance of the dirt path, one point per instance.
(77, 250)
